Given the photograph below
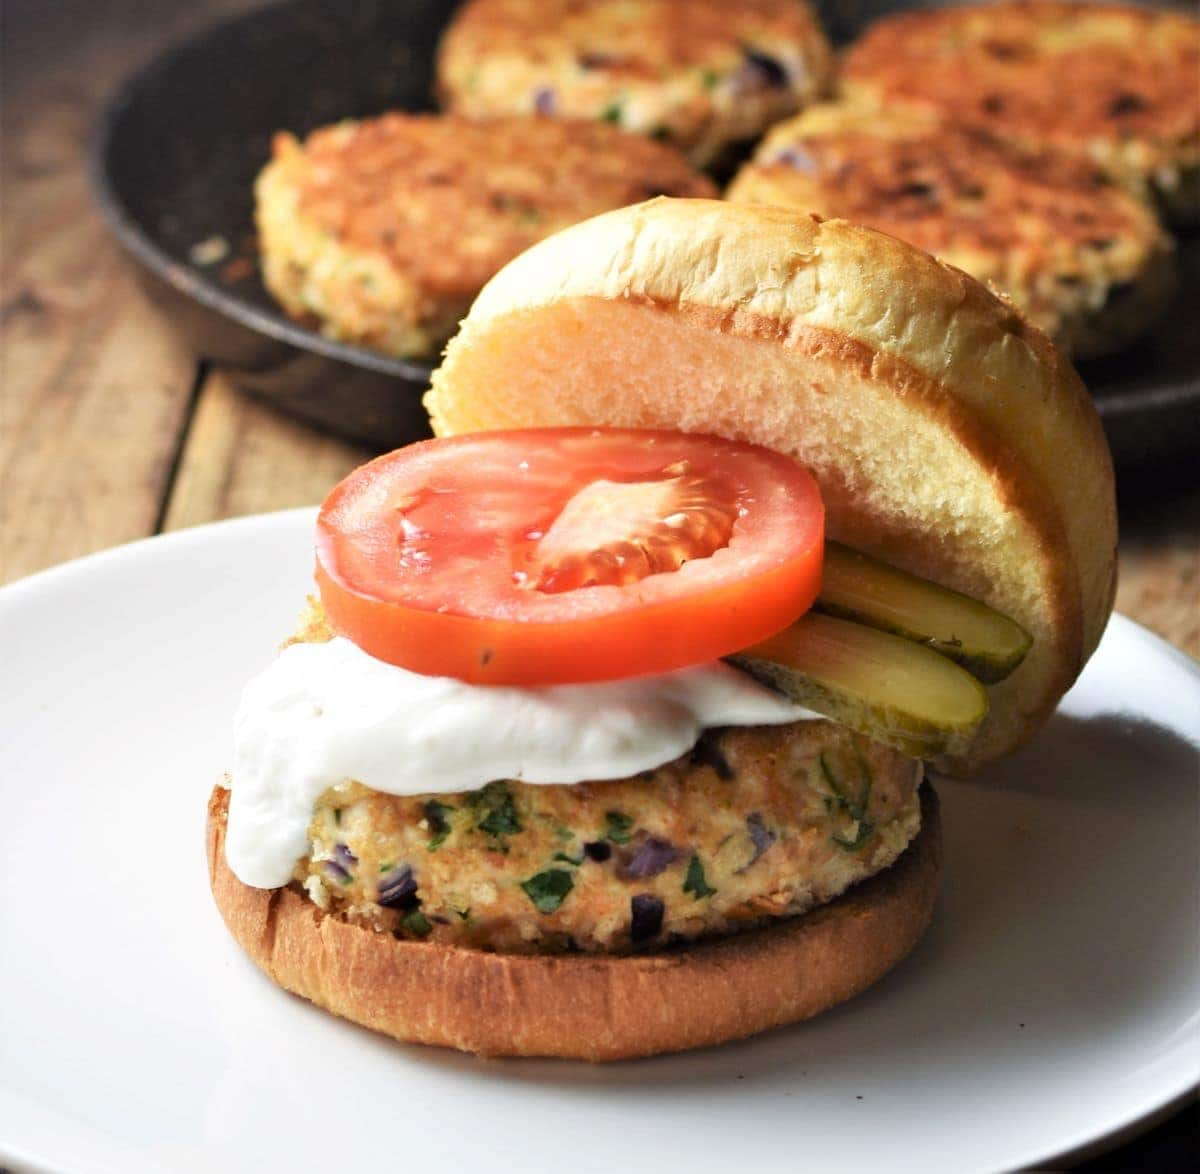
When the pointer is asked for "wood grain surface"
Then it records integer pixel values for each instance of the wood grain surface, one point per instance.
(110, 431)
(242, 457)
(95, 394)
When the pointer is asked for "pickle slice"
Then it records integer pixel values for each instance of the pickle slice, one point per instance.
(882, 685)
(860, 588)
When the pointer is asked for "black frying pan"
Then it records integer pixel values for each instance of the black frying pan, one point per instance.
(180, 143)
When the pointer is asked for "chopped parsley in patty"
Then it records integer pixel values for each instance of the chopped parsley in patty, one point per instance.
(758, 823)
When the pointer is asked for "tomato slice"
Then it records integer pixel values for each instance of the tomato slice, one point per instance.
(568, 554)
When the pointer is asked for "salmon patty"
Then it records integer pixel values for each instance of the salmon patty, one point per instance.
(1119, 84)
(1085, 259)
(383, 231)
(700, 75)
(751, 824)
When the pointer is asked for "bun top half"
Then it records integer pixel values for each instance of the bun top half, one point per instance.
(947, 433)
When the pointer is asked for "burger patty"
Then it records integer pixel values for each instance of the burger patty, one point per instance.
(384, 230)
(752, 824)
(1118, 83)
(1085, 259)
(690, 72)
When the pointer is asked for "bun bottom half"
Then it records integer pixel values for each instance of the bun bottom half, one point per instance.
(585, 1006)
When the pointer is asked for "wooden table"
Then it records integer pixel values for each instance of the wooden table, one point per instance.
(110, 430)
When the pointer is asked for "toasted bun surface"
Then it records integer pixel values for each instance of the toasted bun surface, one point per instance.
(592, 1007)
(948, 435)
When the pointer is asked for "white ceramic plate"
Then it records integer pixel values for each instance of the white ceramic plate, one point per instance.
(1056, 1000)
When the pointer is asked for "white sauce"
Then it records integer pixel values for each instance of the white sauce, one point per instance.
(323, 714)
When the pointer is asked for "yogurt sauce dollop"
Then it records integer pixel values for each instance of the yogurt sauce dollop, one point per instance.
(323, 714)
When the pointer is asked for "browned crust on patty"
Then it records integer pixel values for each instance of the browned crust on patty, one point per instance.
(647, 40)
(576, 1007)
(942, 185)
(1079, 75)
(698, 74)
(1049, 227)
(448, 200)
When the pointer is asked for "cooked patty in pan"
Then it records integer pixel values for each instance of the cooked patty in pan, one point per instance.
(1082, 256)
(383, 231)
(698, 74)
(1119, 84)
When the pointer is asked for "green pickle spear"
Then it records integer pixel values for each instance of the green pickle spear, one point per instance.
(884, 686)
(860, 588)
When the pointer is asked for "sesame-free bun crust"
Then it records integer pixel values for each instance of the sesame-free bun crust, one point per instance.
(948, 435)
(593, 1007)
